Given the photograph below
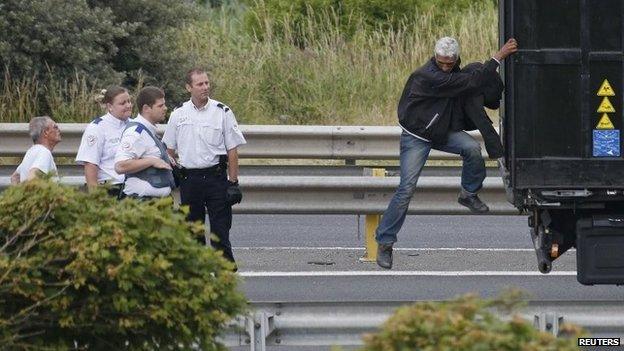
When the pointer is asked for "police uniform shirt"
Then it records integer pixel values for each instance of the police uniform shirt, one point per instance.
(200, 135)
(39, 157)
(136, 144)
(99, 144)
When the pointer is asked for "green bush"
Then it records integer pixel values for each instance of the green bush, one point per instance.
(83, 271)
(127, 42)
(57, 35)
(149, 51)
(464, 324)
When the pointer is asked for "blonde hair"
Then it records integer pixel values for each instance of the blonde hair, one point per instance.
(107, 95)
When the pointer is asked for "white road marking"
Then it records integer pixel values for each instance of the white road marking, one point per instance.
(404, 273)
(342, 248)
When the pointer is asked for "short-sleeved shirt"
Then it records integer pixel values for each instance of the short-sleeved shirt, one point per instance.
(137, 144)
(39, 157)
(99, 144)
(201, 135)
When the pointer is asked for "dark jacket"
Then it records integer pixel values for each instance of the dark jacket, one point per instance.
(488, 95)
(429, 99)
(492, 90)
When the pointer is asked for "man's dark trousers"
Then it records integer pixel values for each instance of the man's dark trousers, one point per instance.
(205, 191)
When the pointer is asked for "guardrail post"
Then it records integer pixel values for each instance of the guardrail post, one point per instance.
(371, 222)
(548, 322)
(259, 327)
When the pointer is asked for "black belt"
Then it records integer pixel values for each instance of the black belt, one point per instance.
(115, 190)
(142, 198)
(210, 171)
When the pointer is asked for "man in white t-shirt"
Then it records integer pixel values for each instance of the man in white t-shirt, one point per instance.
(38, 160)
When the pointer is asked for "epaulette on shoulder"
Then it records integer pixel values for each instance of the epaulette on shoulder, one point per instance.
(96, 120)
(139, 128)
(223, 107)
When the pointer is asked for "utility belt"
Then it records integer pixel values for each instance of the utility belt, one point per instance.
(111, 189)
(202, 172)
(142, 198)
(211, 171)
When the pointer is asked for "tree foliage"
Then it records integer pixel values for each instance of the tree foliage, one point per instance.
(465, 324)
(84, 271)
(114, 42)
(59, 35)
(149, 50)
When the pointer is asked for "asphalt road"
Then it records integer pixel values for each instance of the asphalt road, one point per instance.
(317, 258)
(417, 231)
(312, 258)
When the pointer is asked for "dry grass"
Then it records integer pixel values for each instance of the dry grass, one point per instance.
(334, 80)
(338, 79)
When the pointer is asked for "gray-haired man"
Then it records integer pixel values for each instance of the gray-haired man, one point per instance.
(430, 114)
(38, 160)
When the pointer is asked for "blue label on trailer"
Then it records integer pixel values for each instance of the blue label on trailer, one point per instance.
(606, 142)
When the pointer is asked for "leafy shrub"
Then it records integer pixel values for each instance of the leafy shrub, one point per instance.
(464, 324)
(149, 51)
(109, 41)
(58, 35)
(83, 271)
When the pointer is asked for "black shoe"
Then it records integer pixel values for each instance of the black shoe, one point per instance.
(473, 203)
(384, 256)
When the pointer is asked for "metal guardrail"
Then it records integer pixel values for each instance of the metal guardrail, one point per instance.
(344, 323)
(349, 195)
(301, 194)
(281, 170)
(263, 141)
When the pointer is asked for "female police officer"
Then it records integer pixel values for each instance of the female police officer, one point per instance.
(101, 138)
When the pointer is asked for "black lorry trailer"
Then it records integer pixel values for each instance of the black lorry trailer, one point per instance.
(561, 125)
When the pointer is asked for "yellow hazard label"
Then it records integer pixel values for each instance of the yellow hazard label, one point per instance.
(605, 123)
(605, 106)
(605, 89)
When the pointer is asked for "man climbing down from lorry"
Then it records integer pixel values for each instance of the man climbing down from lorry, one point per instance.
(431, 114)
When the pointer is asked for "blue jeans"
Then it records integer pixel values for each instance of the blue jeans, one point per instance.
(414, 153)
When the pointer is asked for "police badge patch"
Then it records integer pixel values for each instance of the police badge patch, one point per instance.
(126, 146)
(91, 139)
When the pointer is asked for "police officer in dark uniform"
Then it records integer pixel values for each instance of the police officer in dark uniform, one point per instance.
(204, 134)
